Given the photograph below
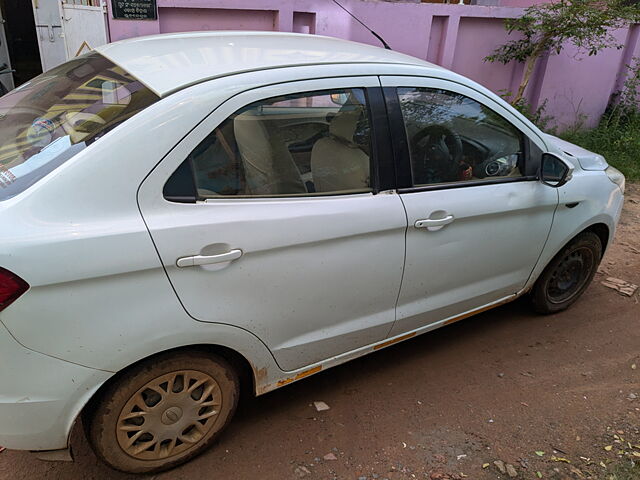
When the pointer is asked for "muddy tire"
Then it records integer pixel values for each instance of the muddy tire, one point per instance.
(568, 275)
(162, 413)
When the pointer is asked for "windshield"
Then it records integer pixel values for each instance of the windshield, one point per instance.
(46, 121)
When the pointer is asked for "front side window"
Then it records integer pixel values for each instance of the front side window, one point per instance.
(453, 138)
(303, 144)
(46, 121)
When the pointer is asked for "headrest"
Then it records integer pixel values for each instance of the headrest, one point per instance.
(344, 124)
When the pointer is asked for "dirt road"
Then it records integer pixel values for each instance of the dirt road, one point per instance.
(500, 386)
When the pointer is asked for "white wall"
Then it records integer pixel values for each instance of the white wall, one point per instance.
(84, 28)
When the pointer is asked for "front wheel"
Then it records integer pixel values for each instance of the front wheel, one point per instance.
(161, 413)
(568, 275)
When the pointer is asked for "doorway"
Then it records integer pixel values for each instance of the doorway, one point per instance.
(19, 49)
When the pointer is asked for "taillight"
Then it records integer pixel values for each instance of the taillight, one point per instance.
(11, 287)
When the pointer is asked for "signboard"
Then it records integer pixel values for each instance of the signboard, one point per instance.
(134, 9)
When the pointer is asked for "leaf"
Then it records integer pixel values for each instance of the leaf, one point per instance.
(485, 465)
(608, 448)
(636, 454)
(560, 459)
(538, 474)
(540, 453)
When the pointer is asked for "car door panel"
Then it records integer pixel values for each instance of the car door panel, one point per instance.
(485, 254)
(318, 275)
(472, 243)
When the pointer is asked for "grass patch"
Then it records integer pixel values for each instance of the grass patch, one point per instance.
(618, 139)
(623, 471)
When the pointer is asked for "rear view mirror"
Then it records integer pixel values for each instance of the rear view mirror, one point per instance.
(554, 171)
(339, 98)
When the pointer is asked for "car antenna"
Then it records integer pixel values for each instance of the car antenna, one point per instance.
(386, 45)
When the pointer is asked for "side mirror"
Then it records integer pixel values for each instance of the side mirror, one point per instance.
(554, 171)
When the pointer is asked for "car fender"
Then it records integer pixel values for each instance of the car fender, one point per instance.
(588, 199)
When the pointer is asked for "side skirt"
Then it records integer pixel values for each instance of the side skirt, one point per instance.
(307, 371)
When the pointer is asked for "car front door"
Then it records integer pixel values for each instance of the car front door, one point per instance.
(478, 218)
(273, 215)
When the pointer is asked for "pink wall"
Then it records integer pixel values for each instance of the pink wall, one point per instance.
(195, 19)
(522, 3)
(477, 37)
(576, 88)
(454, 36)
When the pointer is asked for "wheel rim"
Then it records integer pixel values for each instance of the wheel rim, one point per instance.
(570, 276)
(169, 415)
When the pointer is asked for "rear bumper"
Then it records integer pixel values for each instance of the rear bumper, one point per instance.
(40, 396)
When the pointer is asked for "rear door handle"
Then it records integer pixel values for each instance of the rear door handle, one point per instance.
(209, 259)
(434, 222)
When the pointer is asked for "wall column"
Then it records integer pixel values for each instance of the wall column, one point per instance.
(284, 22)
(627, 57)
(448, 47)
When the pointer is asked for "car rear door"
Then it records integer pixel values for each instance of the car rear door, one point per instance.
(291, 232)
(478, 218)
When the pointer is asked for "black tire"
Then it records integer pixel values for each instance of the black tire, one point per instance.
(568, 275)
(175, 405)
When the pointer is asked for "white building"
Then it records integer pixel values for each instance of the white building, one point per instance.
(37, 35)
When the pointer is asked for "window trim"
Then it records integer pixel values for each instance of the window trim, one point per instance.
(383, 159)
(399, 140)
(382, 174)
(193, 196)
(288, 195)
(466, 183)
(403, 156)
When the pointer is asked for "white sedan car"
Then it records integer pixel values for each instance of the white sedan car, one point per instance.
(185, 217)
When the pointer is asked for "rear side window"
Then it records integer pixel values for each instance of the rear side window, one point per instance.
(315, 143)
(48, 120)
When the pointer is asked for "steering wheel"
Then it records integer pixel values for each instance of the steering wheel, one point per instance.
(437, 154)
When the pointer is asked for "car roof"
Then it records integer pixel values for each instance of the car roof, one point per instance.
(170, 62)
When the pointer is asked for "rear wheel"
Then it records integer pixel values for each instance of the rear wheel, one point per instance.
(164, 412)
(568, 275)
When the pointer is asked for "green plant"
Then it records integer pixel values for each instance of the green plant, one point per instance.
(537, 115)
(625, 104)
(617, 138)
(548, 27)
(623, 471)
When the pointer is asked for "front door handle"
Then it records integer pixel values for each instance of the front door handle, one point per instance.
(209, 259)
(434, 222)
